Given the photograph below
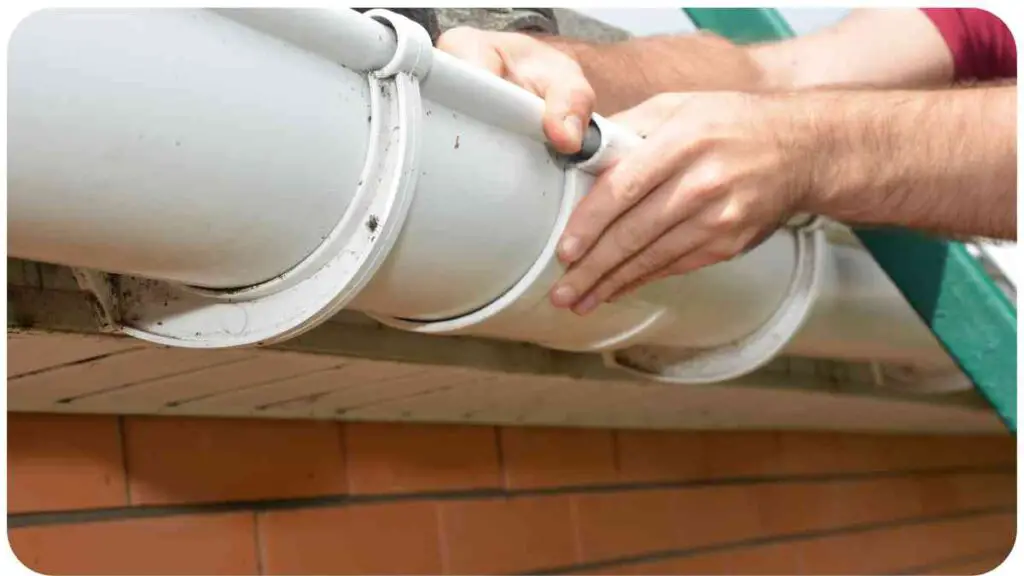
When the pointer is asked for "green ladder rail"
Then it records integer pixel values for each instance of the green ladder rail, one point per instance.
(972, 317)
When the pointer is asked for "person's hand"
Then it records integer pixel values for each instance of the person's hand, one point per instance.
(716, 174)
(537, 67)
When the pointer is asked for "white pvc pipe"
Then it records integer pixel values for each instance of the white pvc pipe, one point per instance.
(175, 144)
(222, 149)
(341, 36)
(862, 315)
(226, 155)
(474, 228)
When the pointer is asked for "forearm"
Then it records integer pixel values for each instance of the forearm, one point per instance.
(891, 48)
(624, 74)
(939, 161)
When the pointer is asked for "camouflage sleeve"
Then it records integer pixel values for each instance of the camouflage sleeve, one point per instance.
(502, 19)
(438, 20)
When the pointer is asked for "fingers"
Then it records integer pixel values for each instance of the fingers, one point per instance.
(618, 189)
(568, 97)
(678, 242)
(638, 237)
(707, 254)
(691, 262)
(639, 283)
(568, 106)
(473, 46)
(529, 63)
(689, 246)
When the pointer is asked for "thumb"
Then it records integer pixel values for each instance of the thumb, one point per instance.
(568, 97)
(567, 109)
(534, 66)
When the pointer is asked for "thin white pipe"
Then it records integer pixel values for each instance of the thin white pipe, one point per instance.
(342, 36)
(475, 92)
(360, 43)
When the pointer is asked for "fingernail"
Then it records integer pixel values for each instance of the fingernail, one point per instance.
(563, 296)
(569, 249)
(588, 304)
(573, 128)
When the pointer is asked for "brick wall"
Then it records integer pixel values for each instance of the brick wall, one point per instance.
(147, 495)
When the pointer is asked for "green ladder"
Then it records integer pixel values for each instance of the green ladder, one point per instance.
(971, 317)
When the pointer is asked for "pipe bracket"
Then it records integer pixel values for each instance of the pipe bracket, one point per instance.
(414, 51)
(315, 288)
(524, 311)
(105, 291)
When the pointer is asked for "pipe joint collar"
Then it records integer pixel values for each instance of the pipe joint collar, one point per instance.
(314, 289)
(414, 51)
(751, 352)
(525, 313)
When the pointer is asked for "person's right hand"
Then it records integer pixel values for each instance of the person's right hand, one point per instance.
(531, 64)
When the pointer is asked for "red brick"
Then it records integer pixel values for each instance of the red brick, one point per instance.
(777, 559)
(897, 550)
(743, 454)
(188, 544)
(969, 491)
(718, 514)
(657, 456)
(701, 564)
(863, 452)
(997, 450)
(880, 551)
(179, 460)
(396, 538)
(976, 450)
(619, 524)
(548, 457)
(809, 453)
(623, 524)
(799, 506)
(390, 458)
(900, 549)
(63, 463)
(630, 523)
(968, 536)
(927, 452)
(880, 500)
(989, 490)
(974, 566)
(787, 508)
(507, 535)
(844, 554)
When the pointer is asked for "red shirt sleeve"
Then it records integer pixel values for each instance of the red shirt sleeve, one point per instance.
(982, 45)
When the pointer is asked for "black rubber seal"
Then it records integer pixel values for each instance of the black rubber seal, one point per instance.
(591, 144)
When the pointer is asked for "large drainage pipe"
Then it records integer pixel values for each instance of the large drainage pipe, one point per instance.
(224, 178)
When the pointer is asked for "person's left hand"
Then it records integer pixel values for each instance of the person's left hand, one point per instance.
(716, 174)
